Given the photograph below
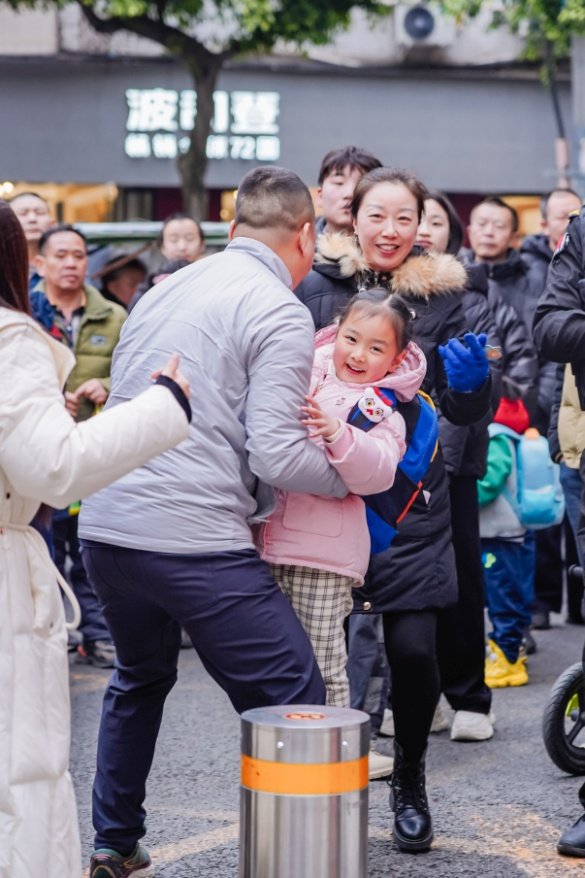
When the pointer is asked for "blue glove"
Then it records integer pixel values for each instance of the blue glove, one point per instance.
(467, 367)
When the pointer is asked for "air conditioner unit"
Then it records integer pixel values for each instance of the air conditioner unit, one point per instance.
(423, 24)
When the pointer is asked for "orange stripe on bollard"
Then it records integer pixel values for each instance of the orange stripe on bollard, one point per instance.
(288, 779)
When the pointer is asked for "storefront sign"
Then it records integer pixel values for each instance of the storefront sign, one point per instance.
(244, 124)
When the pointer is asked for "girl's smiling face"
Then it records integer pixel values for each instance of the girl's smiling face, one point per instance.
(386, 225)
(366, 349)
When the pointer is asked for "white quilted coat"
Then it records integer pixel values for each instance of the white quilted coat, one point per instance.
(46, 457)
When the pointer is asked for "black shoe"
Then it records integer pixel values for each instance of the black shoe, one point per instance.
(572, 842)
(99, 653)
(541, 620)
(413, 827)
(529, 643)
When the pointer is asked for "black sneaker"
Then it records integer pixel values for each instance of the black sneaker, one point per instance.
(106, 863)
(540, 620)
(529, 643)
(99, 653)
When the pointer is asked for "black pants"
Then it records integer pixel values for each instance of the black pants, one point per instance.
(550, 570)
(410, 640)
(461, 629)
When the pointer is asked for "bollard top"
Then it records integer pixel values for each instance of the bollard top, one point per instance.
(305, 716)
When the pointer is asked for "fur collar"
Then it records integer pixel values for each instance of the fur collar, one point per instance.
(420, 275)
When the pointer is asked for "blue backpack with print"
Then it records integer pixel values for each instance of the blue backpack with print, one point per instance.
(385, 511)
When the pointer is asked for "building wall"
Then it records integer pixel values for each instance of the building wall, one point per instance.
(471, 132)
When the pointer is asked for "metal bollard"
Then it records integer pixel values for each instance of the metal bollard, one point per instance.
(304, 794)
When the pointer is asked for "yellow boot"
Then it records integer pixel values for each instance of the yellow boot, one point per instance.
(499, 672)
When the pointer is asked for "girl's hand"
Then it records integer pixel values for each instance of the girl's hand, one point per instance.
(318, 422)
(171, 370)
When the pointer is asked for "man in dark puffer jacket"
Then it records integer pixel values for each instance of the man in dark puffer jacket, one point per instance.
(559, 332)
(493, 232)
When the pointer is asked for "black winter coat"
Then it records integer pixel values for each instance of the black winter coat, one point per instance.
(536, 253)
(465, 448)
(418, 571)
(518, 283)
(559, 322)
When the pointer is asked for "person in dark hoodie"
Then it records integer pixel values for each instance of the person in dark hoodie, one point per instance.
(415, 577)
(493, 234)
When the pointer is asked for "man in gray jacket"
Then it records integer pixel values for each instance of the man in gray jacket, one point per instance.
(171, 544)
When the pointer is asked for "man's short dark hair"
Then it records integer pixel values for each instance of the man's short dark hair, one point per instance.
(546, 198)
(179, 215)
(54, 230)
(499, 202)
(338, 159)
(271, 197)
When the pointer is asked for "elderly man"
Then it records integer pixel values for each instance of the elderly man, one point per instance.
(172, 546)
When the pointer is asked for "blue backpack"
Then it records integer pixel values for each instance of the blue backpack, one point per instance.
(385, 511)
(540, 501)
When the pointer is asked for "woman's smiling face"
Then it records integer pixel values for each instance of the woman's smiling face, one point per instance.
(386, 225)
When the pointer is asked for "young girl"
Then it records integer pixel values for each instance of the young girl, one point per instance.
(319, 547)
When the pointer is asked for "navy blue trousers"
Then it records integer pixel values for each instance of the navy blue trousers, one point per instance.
(66, 543)
(244, 629)
(508, 570)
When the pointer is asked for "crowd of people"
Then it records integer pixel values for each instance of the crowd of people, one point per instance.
(277, 526)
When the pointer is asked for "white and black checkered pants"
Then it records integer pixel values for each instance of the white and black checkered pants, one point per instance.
(321, 600)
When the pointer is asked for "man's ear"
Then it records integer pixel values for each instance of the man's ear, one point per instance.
(232, 229)
(40, 265)
(306, 239)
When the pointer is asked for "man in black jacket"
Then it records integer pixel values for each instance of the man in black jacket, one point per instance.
(493, 233)
(559, 332)
(556, 207)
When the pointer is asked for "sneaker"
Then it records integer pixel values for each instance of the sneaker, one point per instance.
(74, 639)
(387, 727)
(106, 863)
(541, 620)
(440, 722)
(499, 672)
(472, 726)
(185, 640)
(528, 643)
(379, 765)
(99, 653)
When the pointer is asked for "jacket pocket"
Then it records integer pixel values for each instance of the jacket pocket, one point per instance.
(322, 516)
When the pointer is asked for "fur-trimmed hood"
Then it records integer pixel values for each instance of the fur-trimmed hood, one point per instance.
(421, 275)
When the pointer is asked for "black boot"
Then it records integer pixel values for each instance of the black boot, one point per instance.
(413, 827)
(572, 841)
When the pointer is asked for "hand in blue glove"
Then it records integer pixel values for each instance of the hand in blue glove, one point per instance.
(467, 367)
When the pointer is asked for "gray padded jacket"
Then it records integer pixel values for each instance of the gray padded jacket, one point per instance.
(246, 345)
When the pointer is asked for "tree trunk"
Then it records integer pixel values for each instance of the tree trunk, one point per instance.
(193, 163)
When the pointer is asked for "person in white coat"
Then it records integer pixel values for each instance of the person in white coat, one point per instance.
(45, 457)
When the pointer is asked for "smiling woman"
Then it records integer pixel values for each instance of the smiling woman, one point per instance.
(411, 581)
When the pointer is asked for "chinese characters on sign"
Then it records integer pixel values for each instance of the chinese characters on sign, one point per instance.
(244, 124)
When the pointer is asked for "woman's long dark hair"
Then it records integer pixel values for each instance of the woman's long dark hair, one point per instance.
(13, 262)
(455, 225)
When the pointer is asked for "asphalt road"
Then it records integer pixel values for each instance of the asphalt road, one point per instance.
(498, 806)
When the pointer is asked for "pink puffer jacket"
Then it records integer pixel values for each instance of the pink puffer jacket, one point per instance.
(326, 532)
